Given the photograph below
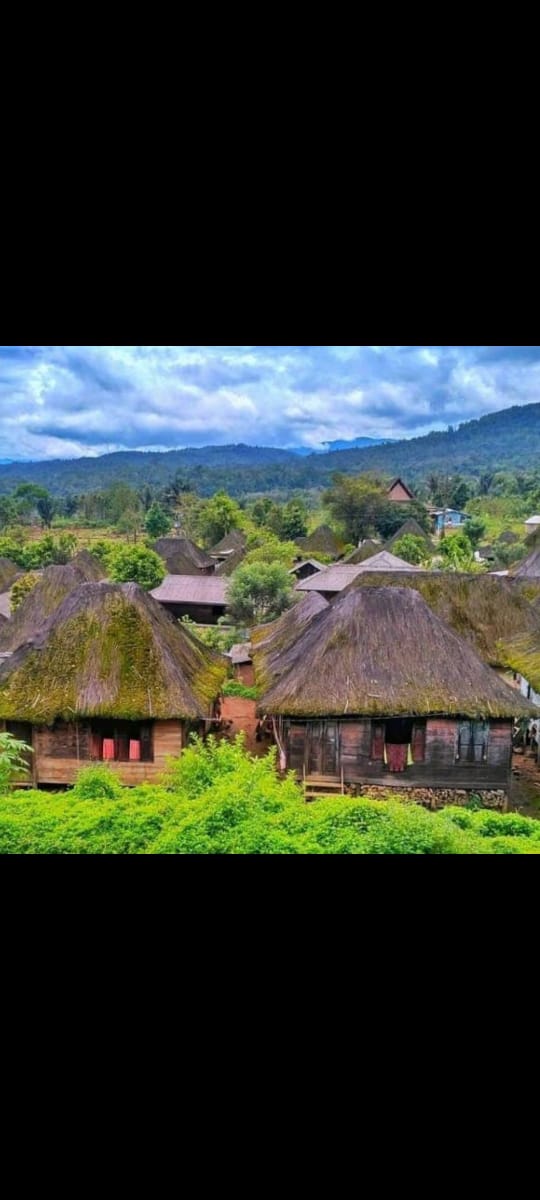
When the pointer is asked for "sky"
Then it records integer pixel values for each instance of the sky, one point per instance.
(68, 401)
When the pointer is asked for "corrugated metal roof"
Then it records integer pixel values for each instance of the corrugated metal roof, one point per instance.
(335, 579)
(240, 653)
(192, 589)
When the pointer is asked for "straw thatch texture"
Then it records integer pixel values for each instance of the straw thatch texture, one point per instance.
(530, 568)
(363, 552)
(51, 589)
(269, 642)
(110, 651)
(322, 541)
(235, 540)
(191, 589)
(336, 578)
(523, 655)
(486, 610)
(181, 556)
(382, 651)
(8, 573)
(229, 564)
(409, 528)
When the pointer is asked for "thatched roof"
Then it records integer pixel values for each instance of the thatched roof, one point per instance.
(323, 540)
(530, 568)
(488, 611)
(235, 540)
(51, 589)
(5, 606)
(395, 483)
(361, 553)
(508, 538)
(110, 651)
(269, 642)
(409, 528)
(523, 655)
(382, 651)
(307, 562)
(191, 589)
(227, 565)
(240, 653)
(338, 577)
(8, 573)
(181, 556)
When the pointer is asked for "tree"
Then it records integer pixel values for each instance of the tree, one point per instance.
(358, 505)
(129, 524)
(46, 509)
(293, 521)
(217, 517)
(136, 564)
(259, 592)
(475, 530)
(13, 764)
(457, 553)
(412, 549)
(157, 522)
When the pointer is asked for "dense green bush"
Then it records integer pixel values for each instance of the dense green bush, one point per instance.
(234, 687)
(216, 799)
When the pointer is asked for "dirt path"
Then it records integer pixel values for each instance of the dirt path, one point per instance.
(525, 789)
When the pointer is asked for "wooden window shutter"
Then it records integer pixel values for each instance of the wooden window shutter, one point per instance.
(377, 741)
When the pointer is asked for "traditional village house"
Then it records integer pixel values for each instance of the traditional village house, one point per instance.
(242, 663)
(409, 528)
(532, 524)
(529, 568)
(367, 548)
(202, 598)
(448, 518)
(52, 587)
(305, 567)
(108, 678)
(337, 577)
(379, 690)
(323, 540)
(399, 493)
(231, 547)
(182, 557)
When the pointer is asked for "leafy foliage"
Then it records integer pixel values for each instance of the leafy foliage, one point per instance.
(216, 799)
(21, 589)
(217, 517)
(412, 549)
(136, 564)
(157, 522)
(259, 592)
(233, 687)
(13, 765)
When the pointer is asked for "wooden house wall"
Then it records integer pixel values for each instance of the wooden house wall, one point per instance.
(439, 768)
(202, 614)
(50, 766)
(244, 673)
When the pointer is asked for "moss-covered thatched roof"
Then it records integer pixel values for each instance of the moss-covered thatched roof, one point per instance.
(8, 573)
(523, 655)
(110, 651)
(322, 541)
(182, 556)
(270, 642)
(382, 651)
(529, 568)
(409, 528)
(51, 589)
(487, 610)
(229, 564)
(235, 540)
(363, 552)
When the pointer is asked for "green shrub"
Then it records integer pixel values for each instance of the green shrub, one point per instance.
(233, 687)
(97, 782)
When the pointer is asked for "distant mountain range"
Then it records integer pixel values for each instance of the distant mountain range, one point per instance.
(507, 440)
(359, 443)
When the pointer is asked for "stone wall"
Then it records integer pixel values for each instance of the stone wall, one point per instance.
(436, 798)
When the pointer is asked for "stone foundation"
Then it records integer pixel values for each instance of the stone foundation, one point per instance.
(436, 798)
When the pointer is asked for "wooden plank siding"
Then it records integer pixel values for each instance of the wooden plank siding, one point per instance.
(361, 755)
(168, 739)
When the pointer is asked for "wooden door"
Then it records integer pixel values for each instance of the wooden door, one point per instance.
(322, 748)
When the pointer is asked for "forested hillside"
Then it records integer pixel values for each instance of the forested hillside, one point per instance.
(506, 440)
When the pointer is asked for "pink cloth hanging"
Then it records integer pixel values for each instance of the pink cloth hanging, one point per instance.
(108, 749)
(397, 757)
(134, 750)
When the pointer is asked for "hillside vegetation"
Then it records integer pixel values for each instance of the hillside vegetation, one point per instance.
(505, 440)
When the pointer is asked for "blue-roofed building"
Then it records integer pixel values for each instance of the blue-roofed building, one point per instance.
(448, 518)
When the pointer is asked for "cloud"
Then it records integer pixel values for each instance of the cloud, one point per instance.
(64, 401)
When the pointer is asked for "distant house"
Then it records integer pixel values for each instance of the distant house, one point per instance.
(378, 689)
(182, 557)
(323, 540)
(336, 578)
(448, 518)
(231, 543)
(202, 598)
(532, 524)
(109, 678)
(305, 568)
(410, 528)
(242, 662)
(399, 493)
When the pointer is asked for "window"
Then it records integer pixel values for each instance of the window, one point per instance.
(121, 741)
(472, 742)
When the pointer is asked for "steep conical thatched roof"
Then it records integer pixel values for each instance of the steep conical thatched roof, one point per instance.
(363, 552)
(52, 588)
(182, 556)
(8, 573)
(110, 651)
(486, 610)
(530, 568)
(322, 541)
(269, 642)
(409, 528)
(382, 651)
(235, 540)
